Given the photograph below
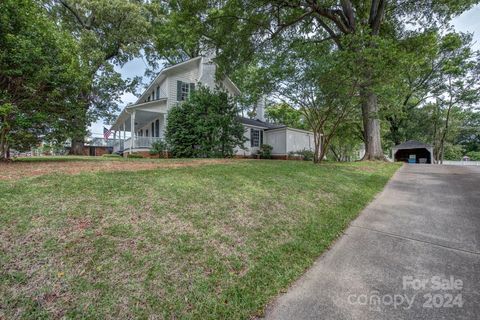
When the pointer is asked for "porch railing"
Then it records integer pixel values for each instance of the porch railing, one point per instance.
(138, 142)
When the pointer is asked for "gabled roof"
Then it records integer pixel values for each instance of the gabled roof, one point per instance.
(259, 123)
(412, 144)
(162, 75)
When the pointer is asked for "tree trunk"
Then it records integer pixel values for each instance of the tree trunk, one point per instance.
(79, 130)
(317, 156)
(434, 136)
(337, 157)
(77, 146)
(4, 153)
(371, 126)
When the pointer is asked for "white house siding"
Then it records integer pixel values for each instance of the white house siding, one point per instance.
(163, 88)
(199, 72)
(277, 139)
(298, 140)
(282, 140)
(248, 150)
(190, 76)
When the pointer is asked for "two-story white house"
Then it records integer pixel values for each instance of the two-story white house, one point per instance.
(145, 120)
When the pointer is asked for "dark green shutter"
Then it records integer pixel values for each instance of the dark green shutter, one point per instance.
(261, 137)
(179, 90)
(192, 87)
(251, 137)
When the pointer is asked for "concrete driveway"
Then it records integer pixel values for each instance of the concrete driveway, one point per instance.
(413, 253)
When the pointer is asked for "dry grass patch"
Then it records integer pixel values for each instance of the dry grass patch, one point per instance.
(21, 169)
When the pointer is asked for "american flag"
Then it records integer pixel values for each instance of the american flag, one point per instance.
(106, 133)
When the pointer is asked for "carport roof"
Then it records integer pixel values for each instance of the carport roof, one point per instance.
(412, 144)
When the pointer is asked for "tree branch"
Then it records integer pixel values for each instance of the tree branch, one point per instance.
(376, 15)
(67, 6)
(348, 11)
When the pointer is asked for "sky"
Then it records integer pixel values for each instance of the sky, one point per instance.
(469, 21)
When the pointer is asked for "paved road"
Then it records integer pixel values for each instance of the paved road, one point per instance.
(413, 253)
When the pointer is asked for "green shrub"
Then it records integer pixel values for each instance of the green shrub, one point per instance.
(204, 126)
(135, 156)
(306, 155)
(474, 155)
(111, 155)
(159, 148)
(265, 151)
(453, 152)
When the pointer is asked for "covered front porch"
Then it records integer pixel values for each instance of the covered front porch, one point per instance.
(139, 126)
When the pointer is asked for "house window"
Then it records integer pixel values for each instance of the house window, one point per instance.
(153, 129)
(158, 92)
(146, 132)
(256, 137)
(157, 128)
(184, 89)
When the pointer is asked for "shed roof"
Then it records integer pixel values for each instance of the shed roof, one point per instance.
(412, 144)
(259, 123)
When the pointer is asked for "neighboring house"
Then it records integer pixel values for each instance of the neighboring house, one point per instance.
(145, 120)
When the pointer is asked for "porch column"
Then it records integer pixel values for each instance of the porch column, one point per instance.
(132, 130)
(163, 126)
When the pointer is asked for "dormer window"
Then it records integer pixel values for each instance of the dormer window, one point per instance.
(158, 92)
(184, 89)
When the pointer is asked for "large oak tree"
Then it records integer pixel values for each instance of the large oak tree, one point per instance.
(360, 28)
(40, 77)
(109, 33)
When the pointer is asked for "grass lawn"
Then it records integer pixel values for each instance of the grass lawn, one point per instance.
(204, 242)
